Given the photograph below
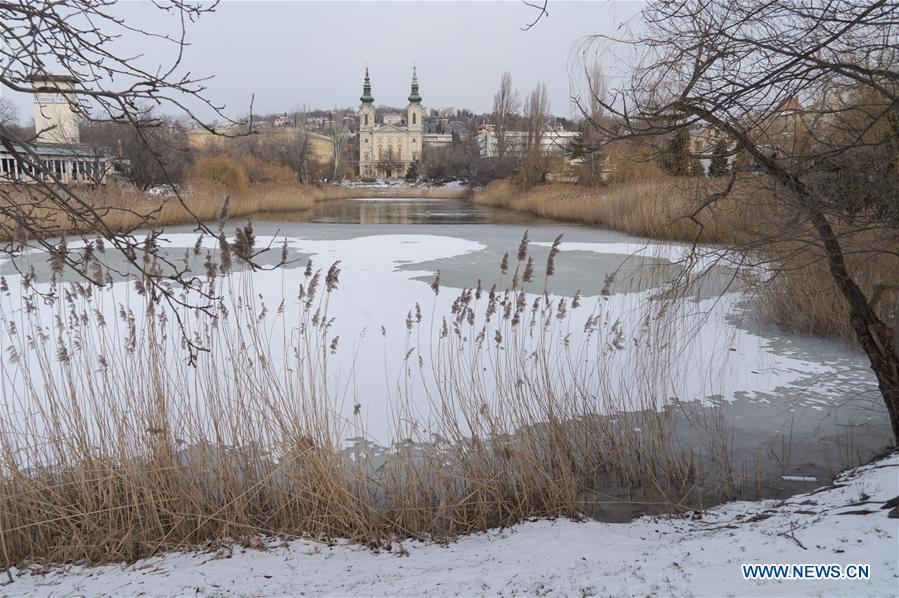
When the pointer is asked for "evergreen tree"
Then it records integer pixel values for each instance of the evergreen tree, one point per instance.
(694, 166)
(412, 173)
(720, 165)
(577, 149)
(676, 158)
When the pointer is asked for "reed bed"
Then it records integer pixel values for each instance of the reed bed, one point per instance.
(126, 208)
(801, 298)
(112, 448)
(657, 207)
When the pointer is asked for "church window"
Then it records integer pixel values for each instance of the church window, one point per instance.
(366, 119)
(413, 118)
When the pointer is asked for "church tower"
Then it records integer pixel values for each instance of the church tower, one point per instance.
(413, 112)
(413, 122)
(367, 112)
(366, 128)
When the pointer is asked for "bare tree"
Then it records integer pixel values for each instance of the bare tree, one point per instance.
(540, 7)
(296, 149)
(506, 104)
(155, 155)
(340, 136)
(597, 87)
(809, 95)
(591, 135)
(76, 41)
(389, 163)
(536, 112)
(9, 114)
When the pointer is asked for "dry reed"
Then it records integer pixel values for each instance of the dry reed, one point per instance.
(658, 207)
(125, 209)
(802, 297)
(112, 449)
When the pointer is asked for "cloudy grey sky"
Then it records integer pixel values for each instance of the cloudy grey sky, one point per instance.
(293, 53)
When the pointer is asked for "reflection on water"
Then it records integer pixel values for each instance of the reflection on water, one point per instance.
(402, 211)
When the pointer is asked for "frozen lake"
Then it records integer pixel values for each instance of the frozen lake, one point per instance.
(794, 405)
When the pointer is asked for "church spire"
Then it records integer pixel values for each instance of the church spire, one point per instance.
(366, 90)
(414, 97)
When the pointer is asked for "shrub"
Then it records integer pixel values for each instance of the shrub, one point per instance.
(259, 171)
(633, 161)
(223, 171)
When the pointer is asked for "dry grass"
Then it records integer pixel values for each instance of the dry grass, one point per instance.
(125, 452)
(127, 209)
(801, 298)
(219, 171)
(657, 207)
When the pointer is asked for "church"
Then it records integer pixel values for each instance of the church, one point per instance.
(389, 150)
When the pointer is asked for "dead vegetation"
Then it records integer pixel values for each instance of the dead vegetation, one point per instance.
(112, 450)
(127, 209)
(802, 297)
(656, 207)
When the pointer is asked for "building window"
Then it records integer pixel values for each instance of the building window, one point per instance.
(366, 120)
(413, 118)
(9, 168)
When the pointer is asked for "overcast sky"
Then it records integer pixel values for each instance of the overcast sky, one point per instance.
(314, 53)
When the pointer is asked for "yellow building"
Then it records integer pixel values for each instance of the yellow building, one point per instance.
(389, 150)
(321, 146)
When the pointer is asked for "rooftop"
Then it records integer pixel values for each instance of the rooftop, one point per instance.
(53, 78)
(61, 149)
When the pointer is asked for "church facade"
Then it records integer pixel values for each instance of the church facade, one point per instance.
(389, 150)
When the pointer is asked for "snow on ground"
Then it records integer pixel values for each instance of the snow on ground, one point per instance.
(687, 556)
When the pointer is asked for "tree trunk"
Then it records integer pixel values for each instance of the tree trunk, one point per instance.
(872, 333)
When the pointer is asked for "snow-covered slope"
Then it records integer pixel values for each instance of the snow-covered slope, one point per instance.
(699, 556)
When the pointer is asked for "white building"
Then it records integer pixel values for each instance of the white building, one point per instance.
(447, 112)
(394, 118)
(55, 116)
(283, 121)
(55, 153)
(62, 163)
(388, 150)
(553, 142)
(437, 139)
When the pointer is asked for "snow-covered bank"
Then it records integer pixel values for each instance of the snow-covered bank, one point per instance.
(698, 556)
